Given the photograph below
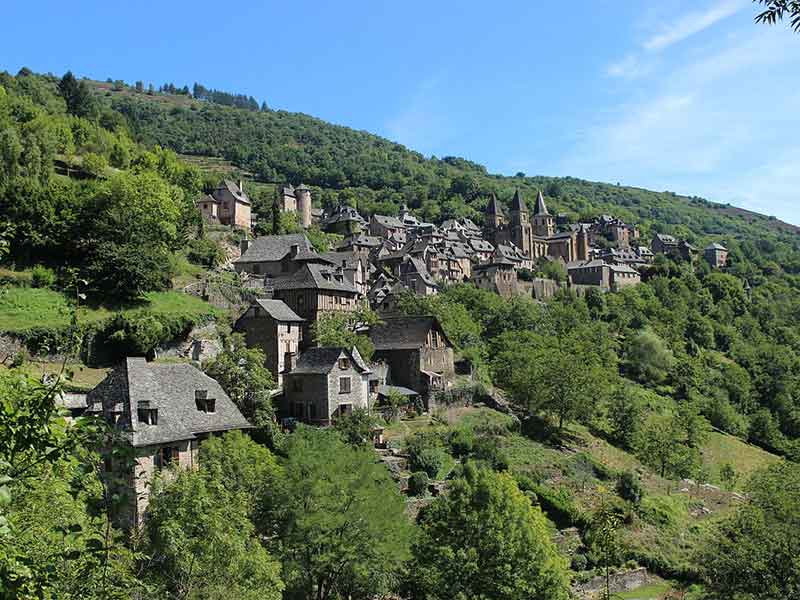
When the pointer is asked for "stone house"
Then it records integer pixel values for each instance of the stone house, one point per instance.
(603, 275)
(277, 330)
(498, 276)
(226, 205)
(716, 255)
(164, 411)
(344, 220)
(418, 353)
(671, 246)
(325, 384)
(314, 290)
(274, 255)
(387, 227)
(293, 200)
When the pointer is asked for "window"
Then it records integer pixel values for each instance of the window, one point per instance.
(146, 414)
(373, 386)
(344, 385)
(166, 456)
(257, 269)
(207, 405)
(344, 364)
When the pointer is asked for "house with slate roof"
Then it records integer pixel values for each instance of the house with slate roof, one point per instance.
(275, 255)
(716, 254)
(226, 205)
(326, 383)
(277, 330)
(601, 274)
(387, 227)
(498, 276)
(313, 290)
(418, 353)
(164, 411)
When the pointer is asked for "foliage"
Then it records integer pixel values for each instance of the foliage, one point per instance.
(776, 10)
(241, 372)
(753, 553)
(42, 277)
(418, 483)
(202, 543)
(629, 487)
(342, 531)
(483, 540)
(356, 428)
(625, 415)
(205, 252)
(663, 446)
(342, 330)
(427, 453)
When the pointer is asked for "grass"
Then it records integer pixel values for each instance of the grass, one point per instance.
(80, 377)
(24, 309)
(652, 591)
(721, 448)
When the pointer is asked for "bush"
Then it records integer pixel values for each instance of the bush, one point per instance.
(418, 483)
(205, 252)
(579, 563)
(426, 453)
(42, 277)
(461, 441)
(629, 487)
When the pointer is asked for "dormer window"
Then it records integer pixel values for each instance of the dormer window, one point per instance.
(344, 364)
(203, 402)
(146, 414)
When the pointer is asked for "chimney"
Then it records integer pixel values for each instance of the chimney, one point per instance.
(294, 250)
(244, 245)
(241, 186)
(290, 361)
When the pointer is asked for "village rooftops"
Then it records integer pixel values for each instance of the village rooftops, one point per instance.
(314, 277)
(169, 396)
(404, 333)
(323, 360)
(666, 239)
(389, 221)
(272, 248)
(278, 310)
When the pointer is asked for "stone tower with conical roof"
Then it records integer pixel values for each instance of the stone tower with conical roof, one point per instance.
(544, 224)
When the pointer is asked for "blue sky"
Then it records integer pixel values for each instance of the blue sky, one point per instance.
(682, 95)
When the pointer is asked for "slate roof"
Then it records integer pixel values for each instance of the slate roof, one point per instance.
(313, 277)
(493, 208)
(385, 390)
(322, 360)
(170, 388)
(388, 221)
(540, 208)
(278, 310)
(404, 333)
(623, 269)
(517, 204)
(666, 239)
(234, 189)
(272, 248)
(481, 245)
(716, 246)
(207, 198)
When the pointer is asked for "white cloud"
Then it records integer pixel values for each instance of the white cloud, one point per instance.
(630, 67)
(692, 23)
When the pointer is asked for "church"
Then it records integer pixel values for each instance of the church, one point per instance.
(535, 235)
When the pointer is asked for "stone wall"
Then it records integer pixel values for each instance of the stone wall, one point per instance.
(619, 582)
(201, 343)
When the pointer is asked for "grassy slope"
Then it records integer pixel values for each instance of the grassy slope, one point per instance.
(23, 309)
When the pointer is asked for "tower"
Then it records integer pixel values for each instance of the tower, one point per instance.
(544, 224)
(520, 225)
(582, 243)
(303, 196)
(494, 220)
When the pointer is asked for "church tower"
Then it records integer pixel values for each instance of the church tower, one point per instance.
(544, 224)
(520, 225)
(494, 221)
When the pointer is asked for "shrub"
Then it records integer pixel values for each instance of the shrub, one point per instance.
(629, 487)
(461, 441)
(42, 277)
(418, 483)
(205, 252)
(426, 453)
(579, 562)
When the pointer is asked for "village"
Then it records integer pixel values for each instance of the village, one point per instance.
(166, 410)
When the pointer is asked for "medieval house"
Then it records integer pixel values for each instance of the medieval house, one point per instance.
(226, 205)
(326, 383)
(164, 411)
(716, 255)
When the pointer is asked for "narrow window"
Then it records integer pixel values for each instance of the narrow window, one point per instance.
(344, 385)
(344, 364)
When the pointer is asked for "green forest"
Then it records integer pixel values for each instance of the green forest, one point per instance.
(622, 400)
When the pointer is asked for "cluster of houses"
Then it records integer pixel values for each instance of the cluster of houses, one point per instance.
(165, 410)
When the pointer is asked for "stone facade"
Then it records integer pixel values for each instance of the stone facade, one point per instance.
(226, 205)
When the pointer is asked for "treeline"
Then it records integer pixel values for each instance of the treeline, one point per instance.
(201, 92)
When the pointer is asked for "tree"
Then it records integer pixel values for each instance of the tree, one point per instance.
(343, 532)
(241, 373)
(663, 446)
(647, 357)
(776, 10)
(625, 416)
(356, 428)
(77, 96)
(753, 553)
(484, 540)
(202, 544)
(343, 330)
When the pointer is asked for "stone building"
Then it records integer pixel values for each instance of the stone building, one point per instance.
(325, 384)
(293, 200)
(277, 330)
(716, 255)
(673, 247)
(226, 205)
(314, 290)
(418, 353)
(390, 228)
(535, 235)
(164, 411)
(343, 220)
(601, 274)
(275, 255)
(498, 276)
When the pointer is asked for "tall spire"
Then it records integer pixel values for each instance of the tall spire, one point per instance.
(517, 204)
(493, 208)
(540, 208)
